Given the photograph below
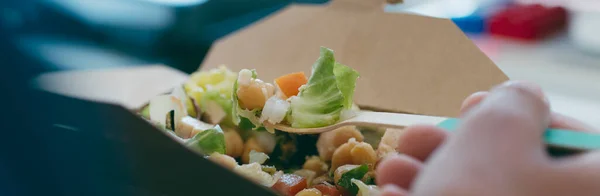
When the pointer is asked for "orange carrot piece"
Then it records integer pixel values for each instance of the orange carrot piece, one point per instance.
(289, 84)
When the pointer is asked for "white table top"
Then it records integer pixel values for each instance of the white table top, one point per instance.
(570, 77)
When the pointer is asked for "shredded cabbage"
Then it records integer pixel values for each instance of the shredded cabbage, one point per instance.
(212, 88)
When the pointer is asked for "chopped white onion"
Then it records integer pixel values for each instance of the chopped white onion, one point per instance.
(161, 105)
(258, 157)
(179, 92)
(366, 190)
(189, 126)
(245, 77)
(275, 110)
(214, 112)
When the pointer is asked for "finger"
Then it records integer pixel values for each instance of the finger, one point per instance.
(399, 170)
(392, 190)
(472, 100)
(420, 141)
(577, 173)
(510, 120)
(560, 121)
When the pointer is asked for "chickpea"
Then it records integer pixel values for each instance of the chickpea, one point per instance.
(388, 143)
(309, 192)
(250, 145)
(253, 93)
(342, 170)
(328, 142)
(315, 164)
(344, 133)
(223, 160)
(342, 156)
(353, 152)
(363, 153)
(233, 143)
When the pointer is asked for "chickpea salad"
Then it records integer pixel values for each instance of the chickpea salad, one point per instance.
(223, 115)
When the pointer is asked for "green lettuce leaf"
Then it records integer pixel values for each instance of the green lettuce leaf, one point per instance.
(356, 173)
(208, 141)
(346, 82)
(320, 101)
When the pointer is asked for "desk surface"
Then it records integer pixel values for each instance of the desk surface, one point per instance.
(570, 77)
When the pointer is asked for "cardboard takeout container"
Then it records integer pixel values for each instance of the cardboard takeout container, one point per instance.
(407, 63)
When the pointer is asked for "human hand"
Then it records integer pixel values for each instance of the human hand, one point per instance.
(497, 150)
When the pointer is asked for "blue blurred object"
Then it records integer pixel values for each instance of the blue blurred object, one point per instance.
(471, 24)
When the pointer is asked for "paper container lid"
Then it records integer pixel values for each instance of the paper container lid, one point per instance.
(407, 63)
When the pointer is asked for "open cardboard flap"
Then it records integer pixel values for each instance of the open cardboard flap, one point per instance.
(407, 63)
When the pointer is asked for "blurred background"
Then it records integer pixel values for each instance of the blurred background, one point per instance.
(552, 43)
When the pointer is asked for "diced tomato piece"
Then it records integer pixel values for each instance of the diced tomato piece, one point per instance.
(289, 184)
(328, 190)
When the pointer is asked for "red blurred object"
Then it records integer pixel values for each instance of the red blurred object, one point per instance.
(528, 21)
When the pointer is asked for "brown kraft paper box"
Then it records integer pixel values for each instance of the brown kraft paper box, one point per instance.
(407, 64)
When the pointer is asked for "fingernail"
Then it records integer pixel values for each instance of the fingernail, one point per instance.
(392, 155)
(525, 86)
(472, 100)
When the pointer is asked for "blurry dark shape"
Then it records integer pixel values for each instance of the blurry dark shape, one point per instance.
(529, 22)
(133, 32)
(88, 148)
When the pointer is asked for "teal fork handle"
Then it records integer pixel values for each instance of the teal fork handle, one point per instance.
(554, 138)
